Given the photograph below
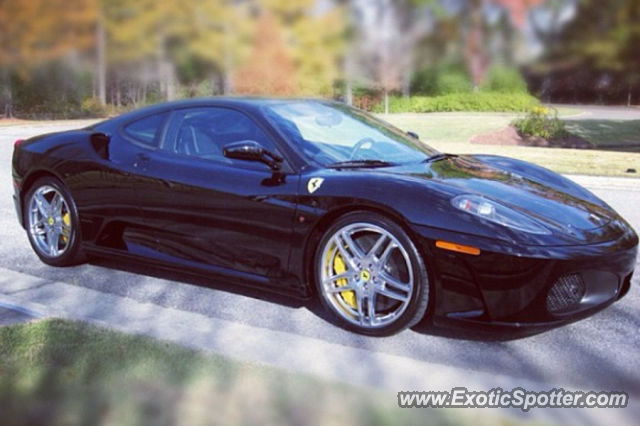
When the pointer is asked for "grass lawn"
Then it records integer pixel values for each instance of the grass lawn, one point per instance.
(608, 134)
(567, 161)
(449, 128)
(567, 112)
(58, 372)
(452, 132)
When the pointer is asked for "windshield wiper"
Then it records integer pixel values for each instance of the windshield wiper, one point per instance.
(439, 157)
(360, 164)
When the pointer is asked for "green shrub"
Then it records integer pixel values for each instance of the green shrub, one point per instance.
(451, 83)
(441, 80)
(423, 82)
(541, 122)
(471, 102)
(505, 80)
(53, 90)
(92, 108)
(205, 88)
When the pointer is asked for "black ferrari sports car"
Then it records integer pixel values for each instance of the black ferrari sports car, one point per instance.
(316, 199)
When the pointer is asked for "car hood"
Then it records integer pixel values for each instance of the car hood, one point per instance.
(554, 201)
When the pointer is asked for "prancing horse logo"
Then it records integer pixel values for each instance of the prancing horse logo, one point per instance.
(314, 184)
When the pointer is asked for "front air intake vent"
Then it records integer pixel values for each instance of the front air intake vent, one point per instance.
(565, 293)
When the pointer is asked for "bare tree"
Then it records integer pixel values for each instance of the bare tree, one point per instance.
(388, 31)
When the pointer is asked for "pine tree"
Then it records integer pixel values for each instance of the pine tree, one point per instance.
(269, 70)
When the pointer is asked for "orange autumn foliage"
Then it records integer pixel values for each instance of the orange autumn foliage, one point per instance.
(269, 69)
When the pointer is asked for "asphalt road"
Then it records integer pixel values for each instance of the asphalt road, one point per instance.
(599, 353)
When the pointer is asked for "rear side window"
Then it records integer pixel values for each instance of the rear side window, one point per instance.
(204, 132)
(147, 130)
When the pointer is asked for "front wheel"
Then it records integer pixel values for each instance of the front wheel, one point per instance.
(52, 223)
(370, 275)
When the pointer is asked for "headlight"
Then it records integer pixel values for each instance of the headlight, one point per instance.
(497, 213)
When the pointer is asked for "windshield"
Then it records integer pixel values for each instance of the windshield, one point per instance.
(331, 134)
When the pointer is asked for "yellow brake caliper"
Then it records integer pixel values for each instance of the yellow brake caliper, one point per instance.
(66, 219)
(339, 267)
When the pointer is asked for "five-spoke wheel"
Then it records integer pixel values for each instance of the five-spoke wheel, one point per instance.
(51, 222)
(370, 275)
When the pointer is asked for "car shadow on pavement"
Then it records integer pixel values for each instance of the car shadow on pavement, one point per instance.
(427, 327)
(215, 282)
(313, 305)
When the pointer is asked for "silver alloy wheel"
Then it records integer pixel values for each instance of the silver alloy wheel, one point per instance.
(366, 275)
(49, 221)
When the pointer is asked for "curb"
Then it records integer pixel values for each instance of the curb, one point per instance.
(26, 308)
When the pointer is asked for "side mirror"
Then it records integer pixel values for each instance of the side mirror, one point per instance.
(413, 135)
(252, 151)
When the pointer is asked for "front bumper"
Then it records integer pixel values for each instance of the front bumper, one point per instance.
(18, 207)
(17, 195)
(514, 287)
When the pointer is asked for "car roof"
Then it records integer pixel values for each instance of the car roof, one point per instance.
(244, 102)
(248, 104)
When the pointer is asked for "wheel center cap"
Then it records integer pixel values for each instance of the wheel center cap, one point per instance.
(365, 275)
(51, 221)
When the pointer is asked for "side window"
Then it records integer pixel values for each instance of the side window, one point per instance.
(204, 132)
(146, 131)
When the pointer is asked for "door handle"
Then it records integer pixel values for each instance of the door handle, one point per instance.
(141, 158)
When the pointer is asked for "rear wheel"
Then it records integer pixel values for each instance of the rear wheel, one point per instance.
(52, 223)
(370, 275)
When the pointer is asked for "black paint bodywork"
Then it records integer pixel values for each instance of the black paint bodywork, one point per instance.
(260, 226)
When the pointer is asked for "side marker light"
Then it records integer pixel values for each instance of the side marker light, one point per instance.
(445, 245)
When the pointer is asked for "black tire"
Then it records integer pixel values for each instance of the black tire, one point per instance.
(385, 280)
(52, 223)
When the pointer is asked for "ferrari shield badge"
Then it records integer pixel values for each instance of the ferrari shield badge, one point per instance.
(314, 184)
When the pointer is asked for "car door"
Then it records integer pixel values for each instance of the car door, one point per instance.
(209, 211)
(105, 192)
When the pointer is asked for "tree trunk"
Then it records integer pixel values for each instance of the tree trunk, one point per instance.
(145, 87)
(386, 101)
(406, 84)
(167, 70)
(118, 89)
(348, 76)
(170, 80)
(349, 91)
(509, 40)
(475, 49)
(227, 80)
(101, 53)
(7, 93)
(227, 83)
